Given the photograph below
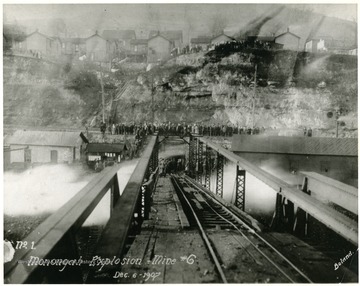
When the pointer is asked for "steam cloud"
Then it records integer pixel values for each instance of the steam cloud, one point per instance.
(45, 189)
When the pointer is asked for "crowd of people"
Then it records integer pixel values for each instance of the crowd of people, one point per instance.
(179, 129)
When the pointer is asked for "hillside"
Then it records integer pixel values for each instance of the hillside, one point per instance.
(293, 90)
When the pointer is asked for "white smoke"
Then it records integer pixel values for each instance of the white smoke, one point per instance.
(45, 189)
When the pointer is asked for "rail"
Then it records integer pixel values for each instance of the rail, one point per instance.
(338, 222)
(54, 239)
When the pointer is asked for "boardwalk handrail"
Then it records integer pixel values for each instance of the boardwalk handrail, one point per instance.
(113, 239)
(337, 221)
(69, 218)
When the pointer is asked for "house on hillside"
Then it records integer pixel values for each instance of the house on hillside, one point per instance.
(289, 40)
(221, 39)
(159, 49)
(201, 42)
(174, 36)
(97, 48)
(311, 45)
(138, 51)
(73, 47)
(46, 146)
(39, 45)
(120, 39)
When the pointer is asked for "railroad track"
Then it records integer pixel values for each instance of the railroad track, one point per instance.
(208, 214)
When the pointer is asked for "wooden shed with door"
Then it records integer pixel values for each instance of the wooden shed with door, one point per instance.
(110, 152)
(28, 146)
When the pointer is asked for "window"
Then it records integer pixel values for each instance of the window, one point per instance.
(324, 166)
(63, 45)
(76, 48)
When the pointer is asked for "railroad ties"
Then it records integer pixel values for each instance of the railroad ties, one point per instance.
(192, 237)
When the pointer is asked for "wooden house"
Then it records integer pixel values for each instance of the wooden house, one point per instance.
(174, 36)
(202, 42)
(159, 49)
(289, 41)
(105, 152)
(39, 44)
(73, 47)
(120, 39)
(97, 48)
(139, 48)
(45, 146)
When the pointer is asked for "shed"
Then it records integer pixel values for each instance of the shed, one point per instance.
(45, 146)
(221, 39)
(106, 151)
(174, 36)
(159, 49)
(289, 40)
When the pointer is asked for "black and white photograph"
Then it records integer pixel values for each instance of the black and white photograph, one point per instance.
(180, 143)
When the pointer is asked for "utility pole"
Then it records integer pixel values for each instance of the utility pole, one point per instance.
(152, 101)
(253, 101)
(102, 96)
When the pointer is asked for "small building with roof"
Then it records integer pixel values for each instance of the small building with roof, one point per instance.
(202, 41)
(159, 49)
(121, 38)
(289, 40)
(336, 158)
(221, 39)
(106, 152)
(73, 47)
(138, 52)
(174, 36)
(39, 44)
(97, 48)
(27, 146)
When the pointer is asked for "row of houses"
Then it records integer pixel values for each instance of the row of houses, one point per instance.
(159, 46)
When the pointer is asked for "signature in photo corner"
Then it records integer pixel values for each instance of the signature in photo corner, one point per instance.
(9, 251)
(342, 260)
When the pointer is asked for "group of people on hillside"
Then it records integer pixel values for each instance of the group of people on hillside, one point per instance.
(179, 129)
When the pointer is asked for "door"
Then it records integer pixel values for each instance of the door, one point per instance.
(54, 156)
(27, 155)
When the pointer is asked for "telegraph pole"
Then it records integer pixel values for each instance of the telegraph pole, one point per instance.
(102, 96)
(253, 101)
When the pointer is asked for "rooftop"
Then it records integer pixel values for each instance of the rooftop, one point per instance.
(295, 145)
(118, 34)
(106, 147)
(45, 138)
(171, 35)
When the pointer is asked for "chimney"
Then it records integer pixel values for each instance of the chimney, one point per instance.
(288, 29)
